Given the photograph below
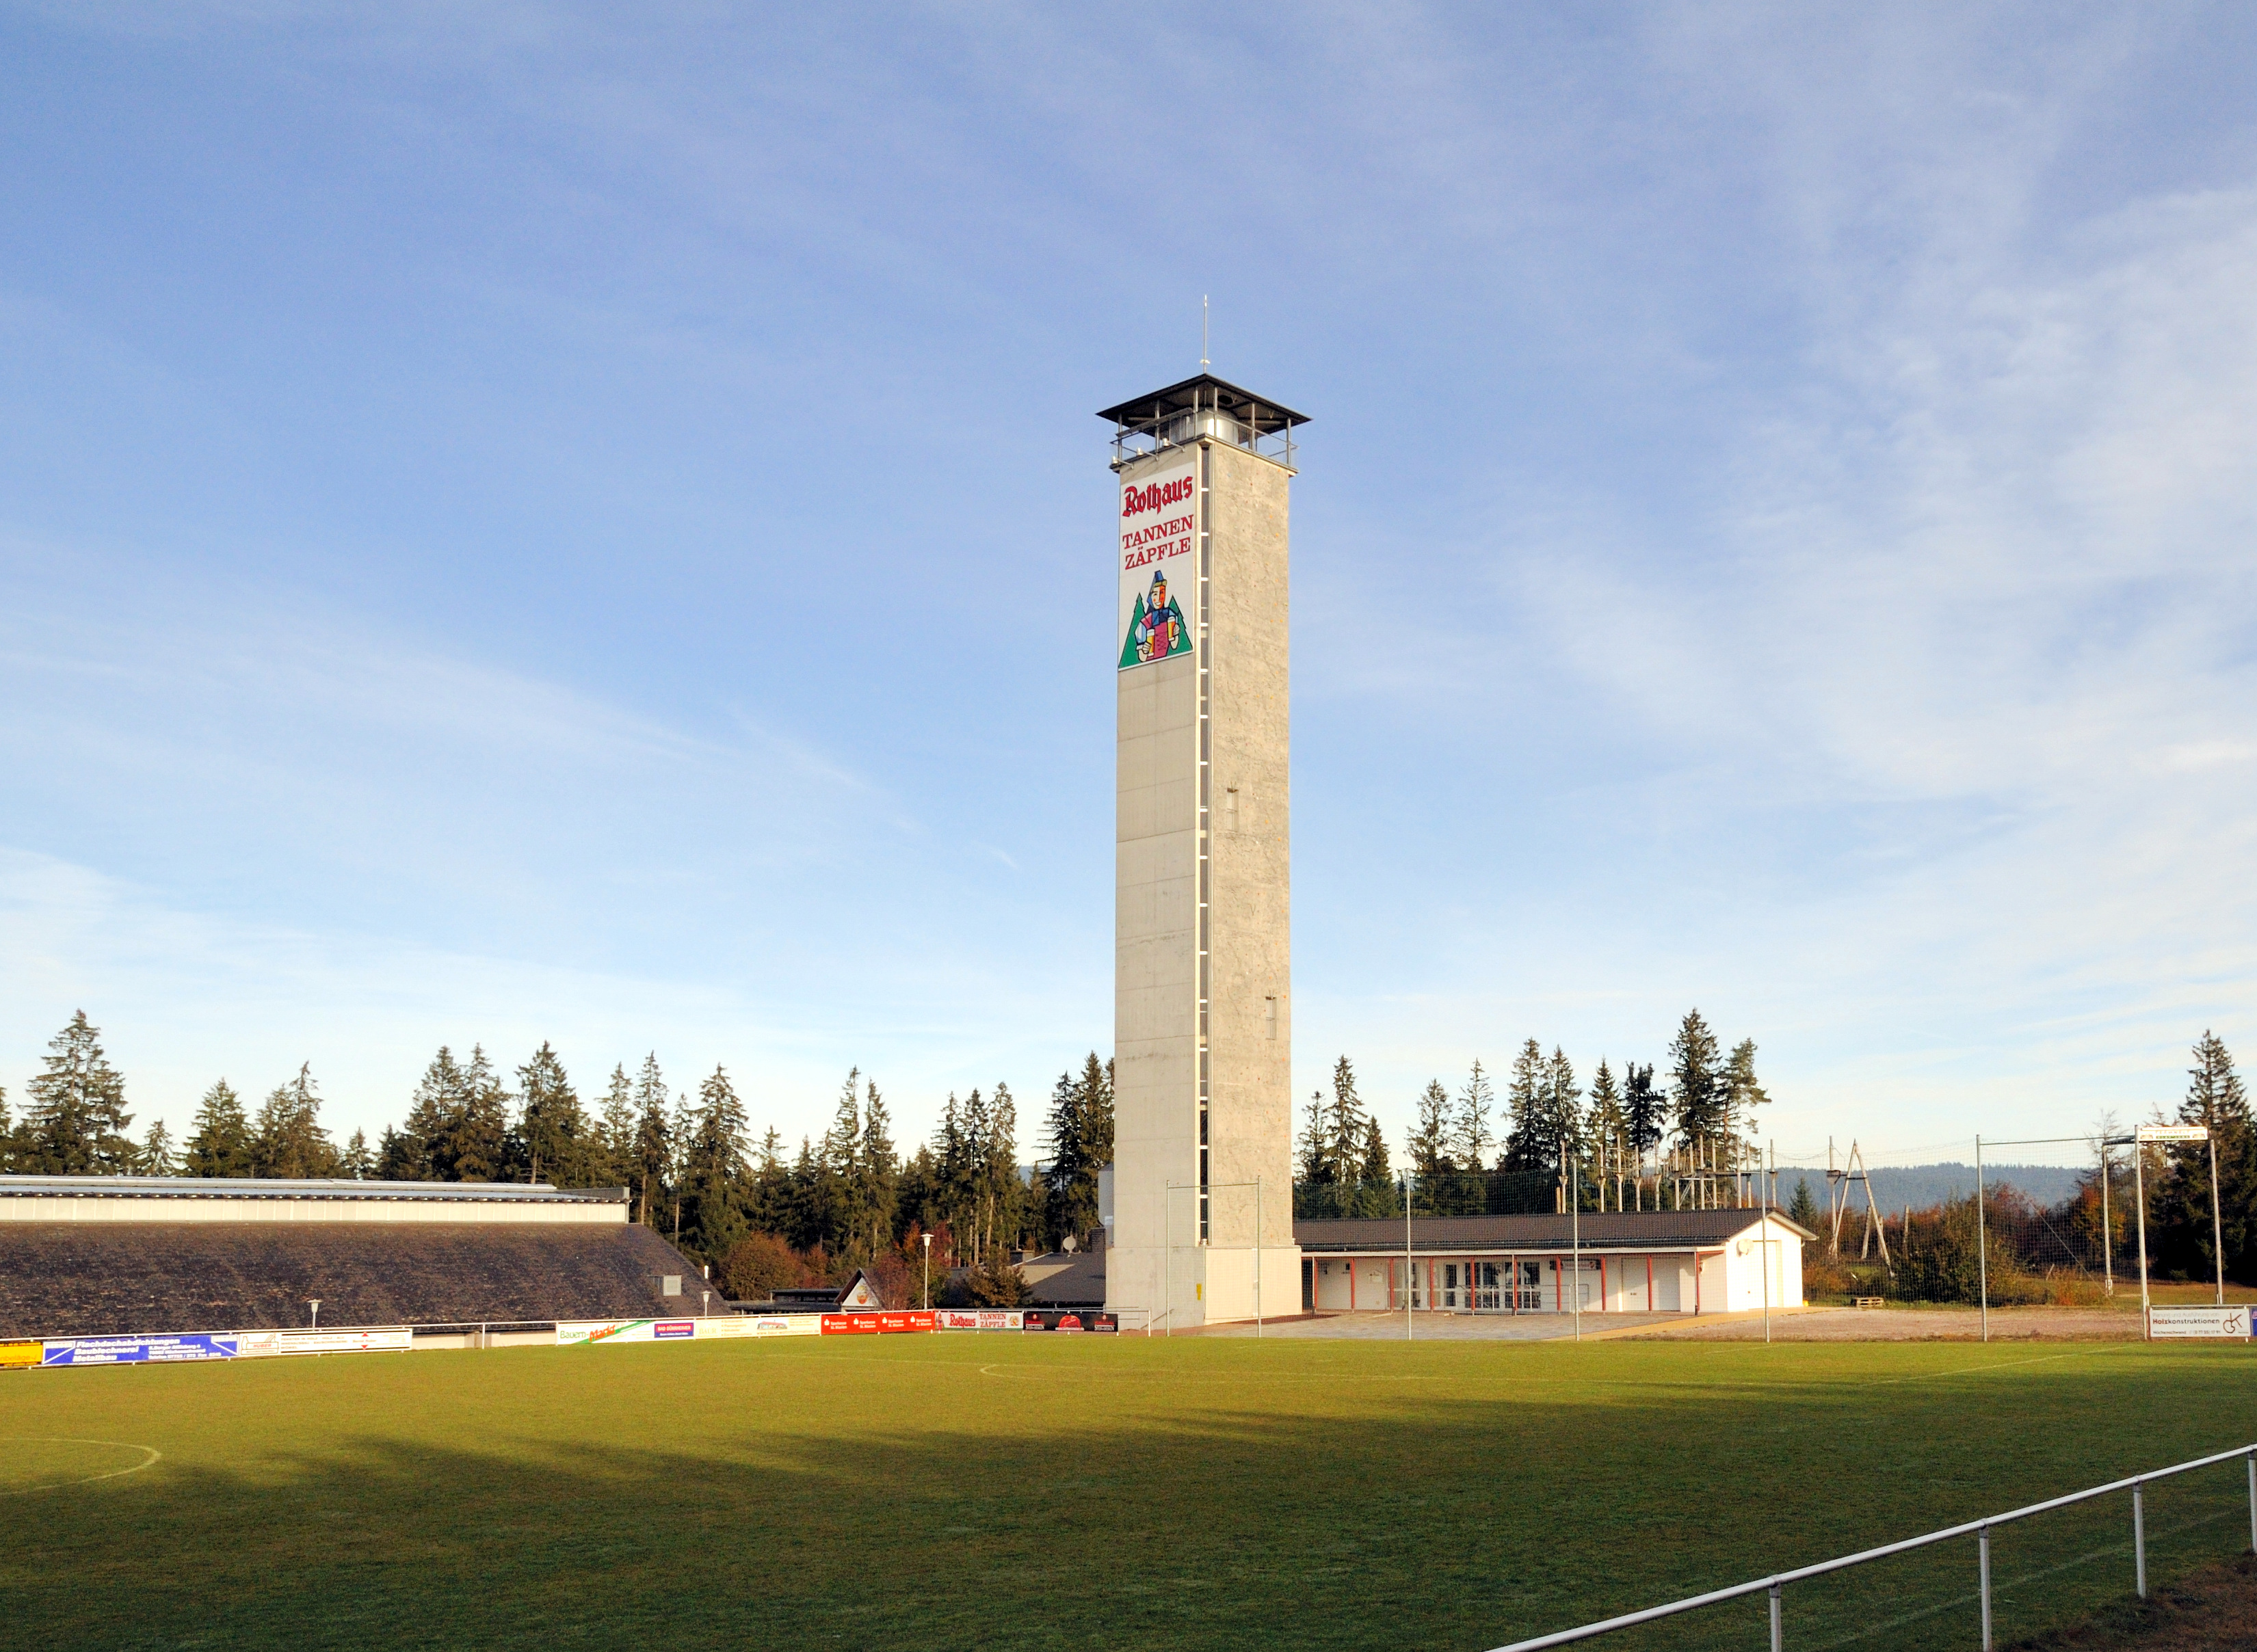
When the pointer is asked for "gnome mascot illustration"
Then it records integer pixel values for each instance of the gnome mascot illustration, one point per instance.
(1160, 627)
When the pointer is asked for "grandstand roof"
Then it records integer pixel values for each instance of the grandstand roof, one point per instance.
(1595, 1230)
(1076, 1281)
(73, 1279)
(186, 1187)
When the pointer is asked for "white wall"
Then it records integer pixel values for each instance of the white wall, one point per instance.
(1744, 1268)
(1728, 1282)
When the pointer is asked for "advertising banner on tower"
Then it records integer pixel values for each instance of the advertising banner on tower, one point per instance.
(1159, 588)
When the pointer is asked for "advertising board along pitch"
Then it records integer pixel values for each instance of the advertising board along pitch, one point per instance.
(252, 1344)
(136, 1351)
(583, 1333)
(2172, 1324)
(885, 1323)
(977, 1319)
(1068, 1319)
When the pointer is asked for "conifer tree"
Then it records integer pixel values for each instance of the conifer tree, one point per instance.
(1643, 1104)
(551, 1140)
(836, 1200)
(616, 1132)
(1471, 1135)
(1097, 1111)
(1061, 1166)
(1080, 1132)
(75, 1115)
(768, 1201)
(356, 1163)
(2185, 1238)
(1697, 1083)
(654, 1145)
(422, 1148)
(1528, 1144)
(1559, 1109)
(1344, 1122)
(287, 1139)
(714, 1167)
(877, 1169)
(1314, 1167)
(681, 1129)
(478, 1147)
(156, 1157)
(947, 1181)
(971, 1179)
(1378, 1196)
(1608, 1125)
(221, 1144)
(1804, 1209)
(1005, 1189)
(400, 1157)
(1429, 1147)
(1742, 1094)
(805, 1230)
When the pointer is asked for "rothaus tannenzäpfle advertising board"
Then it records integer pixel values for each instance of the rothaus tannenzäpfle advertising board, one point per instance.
(1159, 567)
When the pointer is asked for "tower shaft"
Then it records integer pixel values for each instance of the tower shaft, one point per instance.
(1202, 1187)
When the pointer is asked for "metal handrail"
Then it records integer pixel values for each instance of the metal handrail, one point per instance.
(1140, 438)
(1977, 1528)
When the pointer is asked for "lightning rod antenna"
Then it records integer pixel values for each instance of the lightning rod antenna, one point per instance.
(1202, 332)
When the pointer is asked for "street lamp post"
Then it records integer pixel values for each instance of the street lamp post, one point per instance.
(928, 1273)
(314, 1302)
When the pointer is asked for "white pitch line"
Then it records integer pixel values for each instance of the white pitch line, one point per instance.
(154, 1455)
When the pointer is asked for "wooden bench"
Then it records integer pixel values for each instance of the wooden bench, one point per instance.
(1869, 1302)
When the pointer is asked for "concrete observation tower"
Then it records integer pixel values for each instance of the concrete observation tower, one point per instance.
(1202, 998)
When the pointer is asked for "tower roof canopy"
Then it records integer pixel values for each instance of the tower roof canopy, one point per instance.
(1255, 413)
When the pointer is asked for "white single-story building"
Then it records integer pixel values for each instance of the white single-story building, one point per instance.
(1609, 1262)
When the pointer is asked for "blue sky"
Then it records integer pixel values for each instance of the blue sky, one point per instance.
(541, 524)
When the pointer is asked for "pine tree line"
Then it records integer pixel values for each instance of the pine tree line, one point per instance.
(1344, 1166)
(687, 1160)
(1617, 1127)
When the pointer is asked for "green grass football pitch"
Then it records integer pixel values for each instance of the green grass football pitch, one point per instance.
(1006, 1491)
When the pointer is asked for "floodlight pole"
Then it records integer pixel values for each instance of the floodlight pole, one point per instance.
(2216, 1226)
(2107, 1232)
(1763, 1261)
(2140, 1197)
(1575, 1238)
(1406, 1255)
(1982, 1243)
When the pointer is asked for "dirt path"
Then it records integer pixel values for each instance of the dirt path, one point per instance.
(1911, 1325)
(2206, 1611)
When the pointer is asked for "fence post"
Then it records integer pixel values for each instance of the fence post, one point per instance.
(1778, 1638)
(1982, 1542)
(2139, 1541)
(2253, 1502)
